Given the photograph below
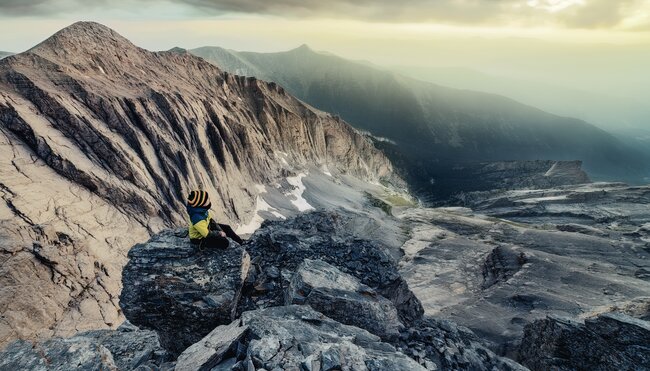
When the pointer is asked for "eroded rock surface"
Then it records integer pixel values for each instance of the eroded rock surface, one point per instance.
(443, 345)
(521, 255)
(181, 291)
(127, 348)
(222, 342)
(606, 342)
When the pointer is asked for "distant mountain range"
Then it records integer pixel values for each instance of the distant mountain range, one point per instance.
(430, 129)
(619, 115)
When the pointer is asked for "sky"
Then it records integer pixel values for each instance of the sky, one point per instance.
(600, 46)
(265, 25)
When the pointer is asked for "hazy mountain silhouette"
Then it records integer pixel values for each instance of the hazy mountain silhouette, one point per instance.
(434, 128)
(615, 114)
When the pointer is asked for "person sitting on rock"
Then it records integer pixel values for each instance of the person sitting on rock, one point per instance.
(204, 231)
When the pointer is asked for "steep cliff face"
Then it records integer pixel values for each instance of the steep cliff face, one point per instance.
(100, 142)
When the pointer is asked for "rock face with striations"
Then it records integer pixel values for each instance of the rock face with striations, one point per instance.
(199, 289)
(606, 342)
(100, 142)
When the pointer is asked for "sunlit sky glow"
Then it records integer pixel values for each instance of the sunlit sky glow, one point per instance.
(163, 24)
(597, 45)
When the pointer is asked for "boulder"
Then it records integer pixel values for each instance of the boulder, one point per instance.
(343, 298)
(180, 291)
(610, 341)
(299, 338)
(212, 349)
(127, 348)
(278, 248)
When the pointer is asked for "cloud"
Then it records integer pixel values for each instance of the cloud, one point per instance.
(567, 13)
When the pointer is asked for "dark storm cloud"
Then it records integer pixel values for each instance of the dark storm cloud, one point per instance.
(576, 13)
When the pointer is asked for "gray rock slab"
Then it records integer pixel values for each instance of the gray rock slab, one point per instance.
(343, 298)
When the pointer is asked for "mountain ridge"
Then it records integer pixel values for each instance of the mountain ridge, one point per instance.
(102, 140)
(431, 121)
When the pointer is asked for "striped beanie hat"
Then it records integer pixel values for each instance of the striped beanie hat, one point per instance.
(198, 199)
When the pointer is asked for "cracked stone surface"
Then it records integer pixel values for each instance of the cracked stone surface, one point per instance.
(520, 255)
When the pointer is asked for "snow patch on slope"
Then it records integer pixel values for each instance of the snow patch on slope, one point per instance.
(300, 203)
(256, 221)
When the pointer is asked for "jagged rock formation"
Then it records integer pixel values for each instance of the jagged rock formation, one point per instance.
(292, 338)
(280, 247)
(343, 298)
(606, 342)
(220, 343)
(351, 285)
(501, 264)
(127, 348)
(101, 140)
(443, 345)
(520, 255)
(200, 288)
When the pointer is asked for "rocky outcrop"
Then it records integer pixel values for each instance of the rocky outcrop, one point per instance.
(203, 289)
(356, 309)
(443, 345)
(295, 338)
(181, 291)
(101, 141)
(501, 264)
(607, 342)
(127, 348)
(280, 247)
(343, 298)
(222, 342)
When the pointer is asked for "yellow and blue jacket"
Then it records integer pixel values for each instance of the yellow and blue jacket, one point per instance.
(199, 222)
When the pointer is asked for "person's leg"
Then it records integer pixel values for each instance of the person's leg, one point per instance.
(230, 233)
(214, 241)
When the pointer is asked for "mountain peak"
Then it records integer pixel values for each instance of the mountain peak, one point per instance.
(304, 48)
(83, 35)
(178, 50)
